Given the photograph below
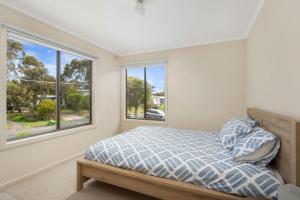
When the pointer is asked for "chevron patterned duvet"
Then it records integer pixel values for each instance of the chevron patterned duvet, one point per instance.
(188, 156)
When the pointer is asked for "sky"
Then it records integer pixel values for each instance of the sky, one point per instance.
(155, 75)
(46, 55)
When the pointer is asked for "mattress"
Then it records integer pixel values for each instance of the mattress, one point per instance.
(195, 157)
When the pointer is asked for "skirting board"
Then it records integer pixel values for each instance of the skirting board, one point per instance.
(39, 171)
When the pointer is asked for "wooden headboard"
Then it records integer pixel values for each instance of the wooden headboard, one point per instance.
(287, 161)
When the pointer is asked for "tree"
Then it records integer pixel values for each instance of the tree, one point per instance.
(162, 94)
(136, 94)
(36, 79)
(15, 54)
(16, 96)
(28, 80)
(75, 77)
(78, 70)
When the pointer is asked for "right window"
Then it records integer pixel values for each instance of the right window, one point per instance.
(145, 92)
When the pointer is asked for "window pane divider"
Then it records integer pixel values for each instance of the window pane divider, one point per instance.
(126, 99)
(58, 92)
(145, 92)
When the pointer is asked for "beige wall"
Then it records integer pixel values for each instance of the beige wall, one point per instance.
(17, 162)
(273, 59)
(206, 84)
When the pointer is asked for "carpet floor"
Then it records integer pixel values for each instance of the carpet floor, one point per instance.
(59, 183)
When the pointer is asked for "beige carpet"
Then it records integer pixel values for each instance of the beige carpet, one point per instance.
(59, 183)
(4, 196)
(55, 184)
(100, 191)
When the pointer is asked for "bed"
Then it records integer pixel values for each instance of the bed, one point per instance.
(160, 183)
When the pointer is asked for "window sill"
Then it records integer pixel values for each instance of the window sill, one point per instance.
(48, 136)
(144, 121)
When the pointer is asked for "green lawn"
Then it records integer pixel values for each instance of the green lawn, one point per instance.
(162, 107)
(29, 125)
(18, 125)
(140, 111)
(26, 126)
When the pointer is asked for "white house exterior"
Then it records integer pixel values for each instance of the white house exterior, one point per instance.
(157, 100)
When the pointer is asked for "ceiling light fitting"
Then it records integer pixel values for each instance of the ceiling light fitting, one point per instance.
(140, 7)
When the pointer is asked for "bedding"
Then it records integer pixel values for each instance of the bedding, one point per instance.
(185, 155)
(233, 129)
(250, 121)
(258, 147)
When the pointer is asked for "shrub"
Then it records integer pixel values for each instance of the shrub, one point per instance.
(51, 122)
(23, 134)
(19, 118)
(46, 109)
(75, 101)
(86, 103)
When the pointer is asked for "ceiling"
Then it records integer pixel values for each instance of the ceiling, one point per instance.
(167, 24)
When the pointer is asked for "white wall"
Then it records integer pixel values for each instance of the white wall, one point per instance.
(23, 160)
(206, 84)
(273, 59)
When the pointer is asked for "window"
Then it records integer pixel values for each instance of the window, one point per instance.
(145, 92)
(47, 89)
(75, 90)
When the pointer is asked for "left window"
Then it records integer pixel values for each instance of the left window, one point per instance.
(47, 89)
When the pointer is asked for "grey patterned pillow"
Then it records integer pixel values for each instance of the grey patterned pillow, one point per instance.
(258, 147)
(232, 130)
(250, 121)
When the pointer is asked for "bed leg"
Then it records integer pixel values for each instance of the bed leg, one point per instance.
(80, 178)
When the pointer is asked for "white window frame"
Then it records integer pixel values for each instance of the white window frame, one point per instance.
(4, 145)
(142, 64)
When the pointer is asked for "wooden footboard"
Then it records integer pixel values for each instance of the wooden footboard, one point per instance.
(153, 186)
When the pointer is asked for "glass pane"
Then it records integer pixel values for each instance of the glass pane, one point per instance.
(31, 88)
(155, 92)
(135, 93)
(75, 81)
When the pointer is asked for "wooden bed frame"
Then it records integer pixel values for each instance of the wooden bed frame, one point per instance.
(287, 162)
